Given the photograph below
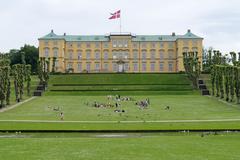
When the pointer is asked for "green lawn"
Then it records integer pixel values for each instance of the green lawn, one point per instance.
(75, 94)
(119, 79)
(75, 108)
(120, 146)
(127, 84)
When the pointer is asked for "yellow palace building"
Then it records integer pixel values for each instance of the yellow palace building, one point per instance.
(118, 52)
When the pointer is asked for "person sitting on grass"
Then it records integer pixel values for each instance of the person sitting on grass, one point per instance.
(167, 108)
(61, 116)
(56, 109)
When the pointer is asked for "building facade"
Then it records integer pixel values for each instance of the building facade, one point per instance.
(119, 52)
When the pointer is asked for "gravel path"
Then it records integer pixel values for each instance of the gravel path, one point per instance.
(16, 105)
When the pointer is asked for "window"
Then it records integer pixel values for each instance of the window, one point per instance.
(105, 66)
(70, 44)
(125, 43)
(135, 55)
(120, 55)
(56, 63)
(105, 44)
(170, 54)
(170, 66)
(55, 52)
(152, 67)
(88, 67)
(135, 45)
(161, 66)
(69, 66)
(88, 56)
(88, 45)
(144, 45)
(70, 54)
(79, 67)
(153, 44)
(97, 66)
(114, 43)
(153, 55)
(126, 55)
(170, 44)
(126, 67)
(97, 55)
(46, 52)
(135, 67)
(105, 56)
(79, 55)
(114, 54)
(144, 55)
(161, 55)
(161, 44)
(97, 45)
(115, 67)
(120, 43)
(144, 67)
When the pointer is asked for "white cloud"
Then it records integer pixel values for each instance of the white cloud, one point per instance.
(26, 20)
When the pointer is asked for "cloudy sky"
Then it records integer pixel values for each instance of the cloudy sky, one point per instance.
(24, 21)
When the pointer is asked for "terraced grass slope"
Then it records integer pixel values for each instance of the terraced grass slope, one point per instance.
(120, 84)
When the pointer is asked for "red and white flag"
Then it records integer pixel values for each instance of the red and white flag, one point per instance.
(115, 15)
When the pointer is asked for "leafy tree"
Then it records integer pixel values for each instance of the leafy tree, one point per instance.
(25, 55)
(53, 64)
(15, 81)
(28, 78)
(192, 67)
(4, 80)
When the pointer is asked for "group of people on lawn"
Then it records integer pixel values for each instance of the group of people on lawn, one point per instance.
(141, 104)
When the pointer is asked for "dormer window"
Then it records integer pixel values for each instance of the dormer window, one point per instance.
(70, 44)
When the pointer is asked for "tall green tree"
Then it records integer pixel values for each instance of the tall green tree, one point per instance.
(4, 80)
(28, 79)
(192, 67)
(30, 56)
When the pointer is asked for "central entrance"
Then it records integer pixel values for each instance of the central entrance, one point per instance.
(120, 65)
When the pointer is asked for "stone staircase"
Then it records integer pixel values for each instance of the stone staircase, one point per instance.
(203, 88)
(39, 90)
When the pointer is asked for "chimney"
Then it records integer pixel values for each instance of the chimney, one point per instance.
(189, 30)
(173, 34)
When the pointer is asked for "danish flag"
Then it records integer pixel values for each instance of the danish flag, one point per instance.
(115, 15)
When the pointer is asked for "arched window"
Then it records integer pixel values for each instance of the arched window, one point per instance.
(161, 54)
(46, 52)
(144, 54)
(55, 52)
(70, 54)
(153, 55)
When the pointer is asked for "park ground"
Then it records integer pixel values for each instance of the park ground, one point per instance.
(121, 146)
(34, 129)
